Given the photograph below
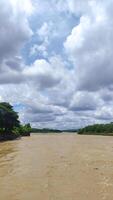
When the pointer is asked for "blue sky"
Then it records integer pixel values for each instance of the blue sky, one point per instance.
(56, 61)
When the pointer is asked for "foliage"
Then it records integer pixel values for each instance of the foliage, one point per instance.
(10, 126)
(45, 130)
(22, 130)
(16, 131)
(8, 117)
(25, 130)
(98, 129)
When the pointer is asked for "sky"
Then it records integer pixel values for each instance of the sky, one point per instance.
(56, 61)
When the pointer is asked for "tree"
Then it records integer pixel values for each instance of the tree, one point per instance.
(25, 129)
(97, 129)
(8, 118)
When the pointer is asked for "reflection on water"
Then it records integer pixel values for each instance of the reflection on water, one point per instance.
(57, 167)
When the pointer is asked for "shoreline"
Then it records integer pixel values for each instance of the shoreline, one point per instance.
(96, 134)
(16, 137)
(11, 137)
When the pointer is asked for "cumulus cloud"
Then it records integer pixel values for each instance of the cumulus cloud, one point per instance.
(44, 73)
(84, 101)
(14, 32)
(57, 69)
(90, 48)
(44, 34)
(14, 29)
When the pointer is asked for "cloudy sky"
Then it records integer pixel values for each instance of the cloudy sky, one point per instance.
(56, 61)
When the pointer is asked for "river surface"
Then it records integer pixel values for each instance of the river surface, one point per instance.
(57, 167)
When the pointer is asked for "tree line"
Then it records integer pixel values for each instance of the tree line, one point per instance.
(97, 129)
(45, 130)
(10, 126)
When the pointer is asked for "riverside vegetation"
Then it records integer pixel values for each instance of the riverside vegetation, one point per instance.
(10, 126)
(97, 129)
(45, 130)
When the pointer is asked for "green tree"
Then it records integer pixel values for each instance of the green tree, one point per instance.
(8, 118)
(25, 130)
(97, 129)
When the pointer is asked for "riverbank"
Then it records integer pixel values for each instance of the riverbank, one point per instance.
(7, 137)
(57, 167)
(95, 133)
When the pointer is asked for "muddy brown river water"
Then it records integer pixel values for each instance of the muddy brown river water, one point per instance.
(57, 167)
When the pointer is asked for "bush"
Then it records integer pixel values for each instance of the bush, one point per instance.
(25, 130)
(16, 131)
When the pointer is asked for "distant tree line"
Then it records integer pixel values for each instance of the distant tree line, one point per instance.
(70, 130)
(10, 126)
(45, 130)
(97, 129)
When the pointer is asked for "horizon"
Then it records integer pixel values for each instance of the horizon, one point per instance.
(56, 61)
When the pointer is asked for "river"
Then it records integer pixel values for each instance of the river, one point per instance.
(57, 167)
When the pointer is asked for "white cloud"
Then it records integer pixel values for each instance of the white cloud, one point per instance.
(14, 30)
(44, 73)
(45, 34)
(66, 91)
(39, 50)
(84, 101)
(25, 6)
(90, 48)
